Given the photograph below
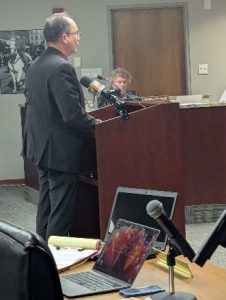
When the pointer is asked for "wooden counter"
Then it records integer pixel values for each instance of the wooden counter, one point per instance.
(208, 283)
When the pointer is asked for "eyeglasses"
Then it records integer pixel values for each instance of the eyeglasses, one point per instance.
(78, 33)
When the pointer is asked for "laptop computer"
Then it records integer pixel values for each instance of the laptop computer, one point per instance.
(118, 263)
(130, 204)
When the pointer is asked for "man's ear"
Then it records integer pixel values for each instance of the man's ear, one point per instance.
(64, 38)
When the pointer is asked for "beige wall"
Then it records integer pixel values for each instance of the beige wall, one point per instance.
(207, 35)
(206, 44)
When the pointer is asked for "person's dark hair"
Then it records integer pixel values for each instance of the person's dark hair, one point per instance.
(55, 25)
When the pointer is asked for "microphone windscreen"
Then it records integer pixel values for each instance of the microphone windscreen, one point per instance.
(154, 209)
(85, 81)
(100, 77)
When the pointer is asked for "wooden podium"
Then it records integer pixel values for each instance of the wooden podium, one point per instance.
(142, 151)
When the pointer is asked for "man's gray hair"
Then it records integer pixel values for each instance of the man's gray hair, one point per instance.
(120, 72)
(55, 26)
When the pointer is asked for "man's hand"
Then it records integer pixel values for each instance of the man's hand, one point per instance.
(98, 121)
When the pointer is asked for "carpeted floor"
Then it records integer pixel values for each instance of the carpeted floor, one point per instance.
(15, 209)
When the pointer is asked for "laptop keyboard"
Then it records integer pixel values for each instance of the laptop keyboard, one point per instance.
(92, 281)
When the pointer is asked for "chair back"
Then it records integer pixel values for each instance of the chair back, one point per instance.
(27, 268)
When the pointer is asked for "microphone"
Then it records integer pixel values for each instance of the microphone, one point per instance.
(109, 81)
(116, 91)
(155, 210)
(121, 91)
(96, 88)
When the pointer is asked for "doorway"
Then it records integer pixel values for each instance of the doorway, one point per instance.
(150, 43)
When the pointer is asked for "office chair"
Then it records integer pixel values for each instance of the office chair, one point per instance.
(27, 267)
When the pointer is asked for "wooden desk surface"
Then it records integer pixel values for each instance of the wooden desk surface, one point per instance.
(208, 283)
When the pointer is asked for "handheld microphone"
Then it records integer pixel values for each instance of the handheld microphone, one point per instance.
(121, 91)
(155, 210)
(96, 88)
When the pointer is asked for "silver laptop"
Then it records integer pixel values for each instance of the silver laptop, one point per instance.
(130, 204)
(118, 263)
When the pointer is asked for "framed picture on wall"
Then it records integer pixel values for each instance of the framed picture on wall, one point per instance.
(18, 48)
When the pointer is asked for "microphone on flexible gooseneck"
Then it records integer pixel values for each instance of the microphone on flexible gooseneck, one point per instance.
(117, 88)
(96, 88)
(109, 81)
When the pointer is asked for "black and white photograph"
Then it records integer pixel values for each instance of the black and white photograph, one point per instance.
(18, 48)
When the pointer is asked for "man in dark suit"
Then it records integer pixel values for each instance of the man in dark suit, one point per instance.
(56, 125)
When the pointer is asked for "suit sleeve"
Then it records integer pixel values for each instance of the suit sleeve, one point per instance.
(65, 89)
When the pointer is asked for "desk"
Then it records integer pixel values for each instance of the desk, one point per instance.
(208, 283)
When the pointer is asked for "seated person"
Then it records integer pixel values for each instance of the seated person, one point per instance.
(120, 80)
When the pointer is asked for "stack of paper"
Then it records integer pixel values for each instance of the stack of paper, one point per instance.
(71, 251)
(67, 258)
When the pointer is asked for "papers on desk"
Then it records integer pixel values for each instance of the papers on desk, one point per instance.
(67, 258)
(190, 99)
(74, 242)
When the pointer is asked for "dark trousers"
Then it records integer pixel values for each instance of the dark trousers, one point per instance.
(58, 193)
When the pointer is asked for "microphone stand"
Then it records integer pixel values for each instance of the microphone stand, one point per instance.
(120, 106)
(121, 91)
(172, 295)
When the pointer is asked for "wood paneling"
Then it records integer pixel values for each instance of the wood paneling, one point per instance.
(203, 144)
(150, 44)
(141, 152)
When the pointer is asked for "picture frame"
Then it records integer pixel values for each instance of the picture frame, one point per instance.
(18, 48)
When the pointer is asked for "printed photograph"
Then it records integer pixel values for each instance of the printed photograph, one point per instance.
(18, 48)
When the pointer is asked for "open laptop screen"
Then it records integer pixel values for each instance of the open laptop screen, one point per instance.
(126, 250)
(130, 204)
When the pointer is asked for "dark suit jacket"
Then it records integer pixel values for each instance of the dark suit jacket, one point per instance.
(56, 123)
